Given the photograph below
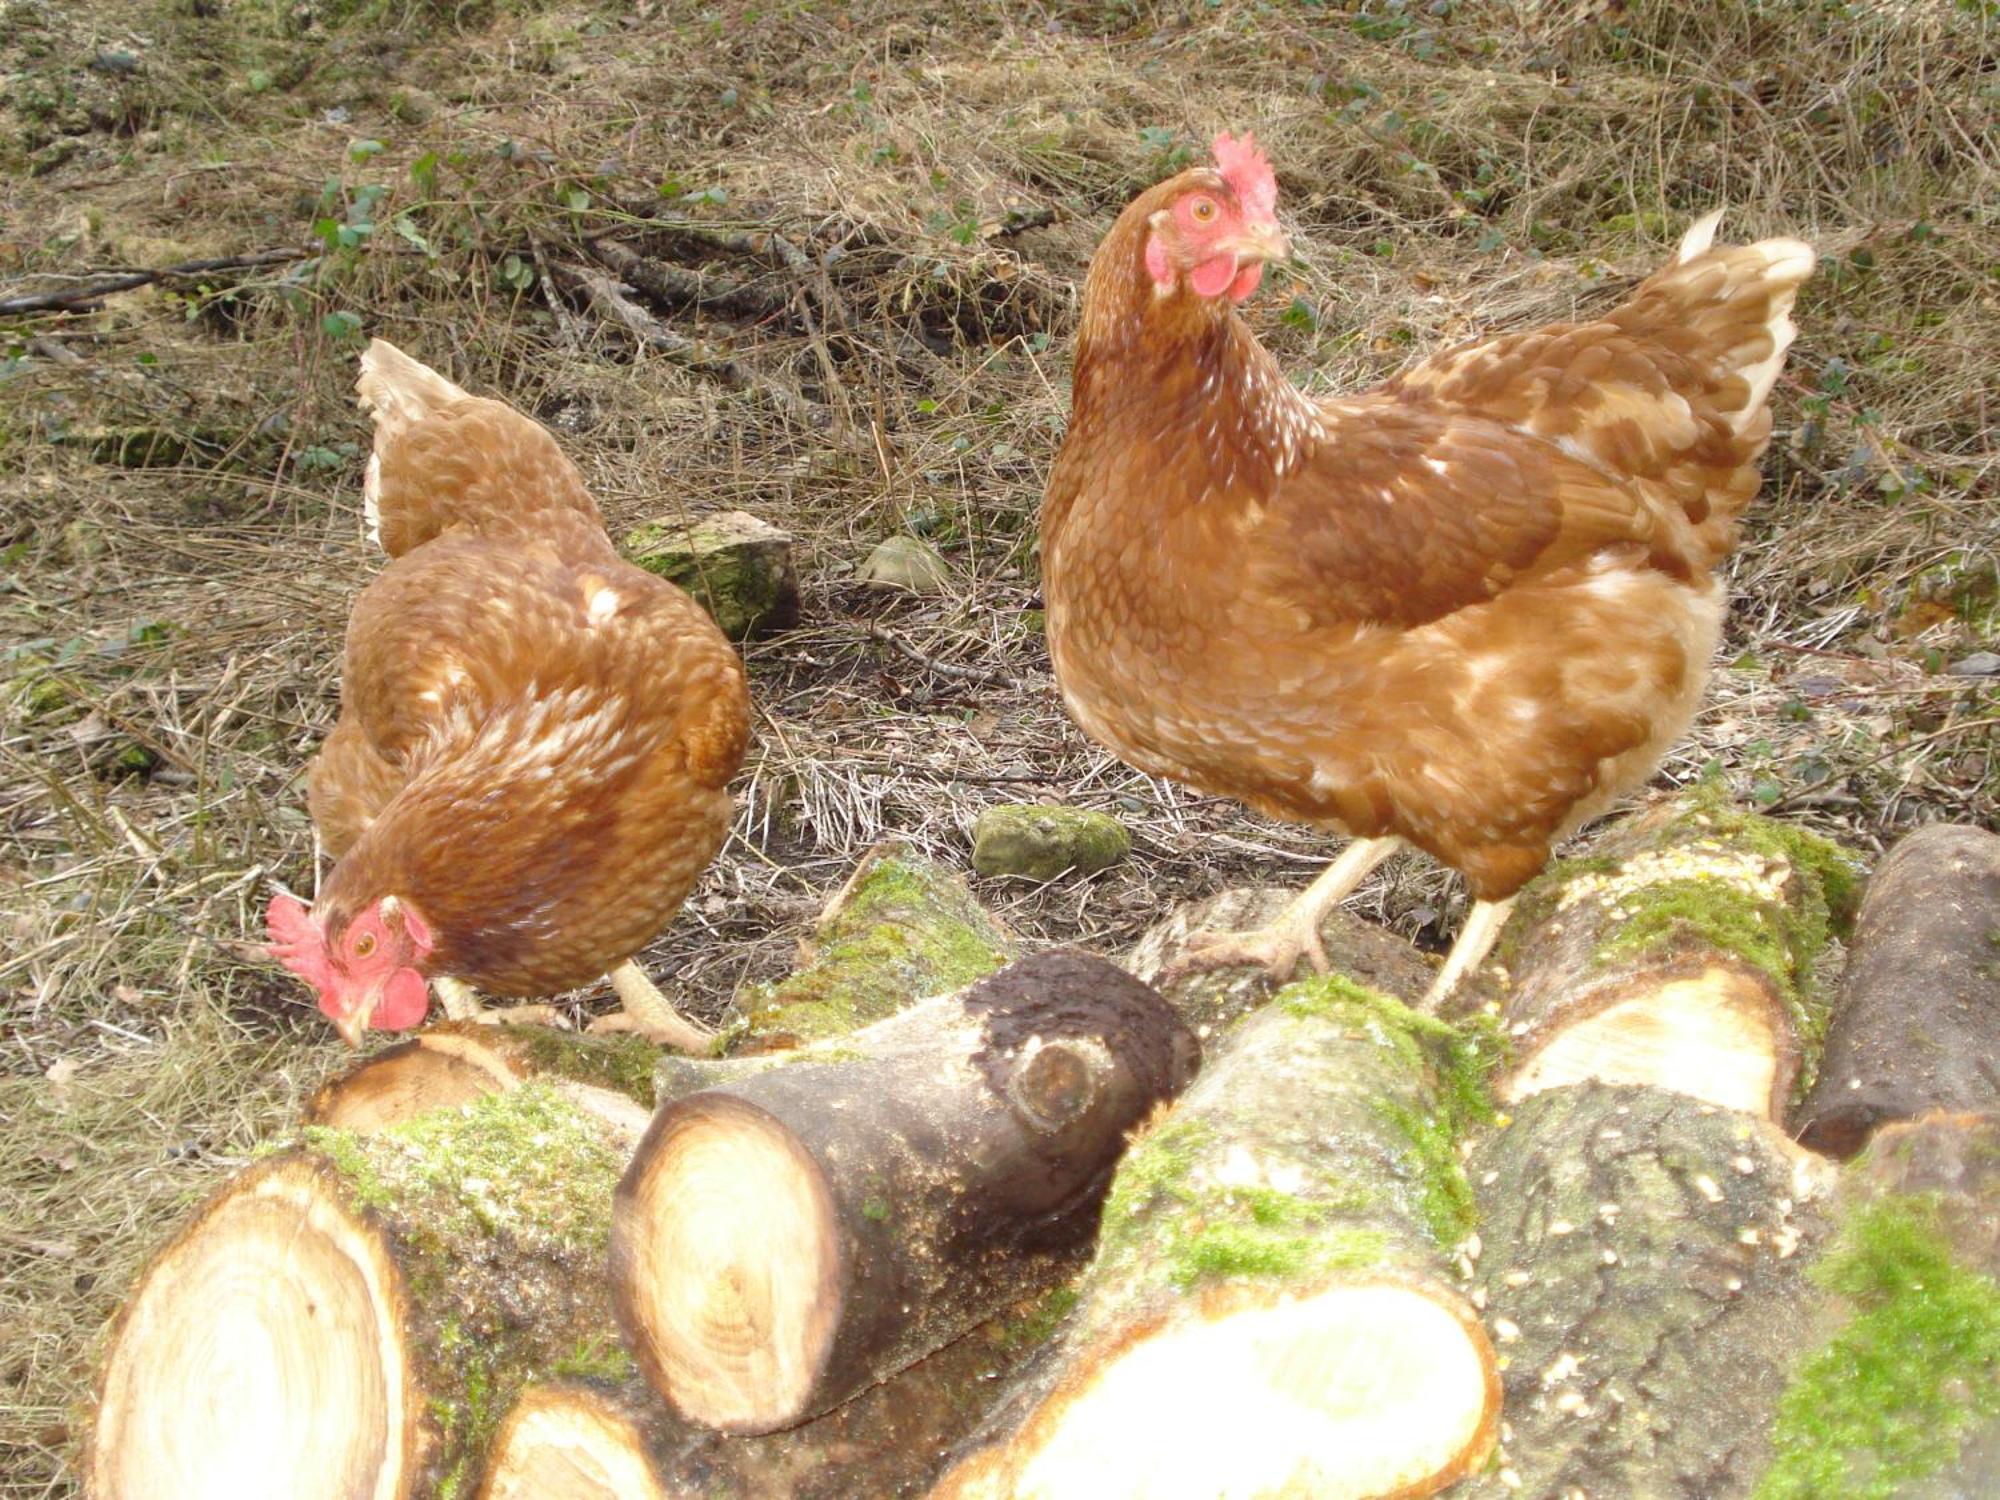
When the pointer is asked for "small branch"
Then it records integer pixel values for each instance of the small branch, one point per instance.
(607, 299)
(944, 668)
(85, 298)
(684, 288)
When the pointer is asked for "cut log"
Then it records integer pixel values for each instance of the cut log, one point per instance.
(1680, 953)
(1916, 1025)
(576, 1441)
(351, 1316)
(455, 1062)
(1643, 1262)
(781, 1243)
(901, 928)
(1903, 1398)
(1272, 1308)
(1211, 999)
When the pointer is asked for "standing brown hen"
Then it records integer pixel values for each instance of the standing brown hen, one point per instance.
(529, 770)
(1463, 611)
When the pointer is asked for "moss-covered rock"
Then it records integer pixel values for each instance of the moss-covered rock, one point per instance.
(1042, 841)
(738, 566)
(903, 562)
(902, 929)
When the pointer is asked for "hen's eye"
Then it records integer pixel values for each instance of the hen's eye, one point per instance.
(363, 945)
(1203, 210)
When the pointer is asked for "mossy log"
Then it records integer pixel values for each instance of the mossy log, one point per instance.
(1916, 1024)
(352, 1315)
(603, 1441)
(784, 1242)
(1679, 953)
(455, 1062)
(1901, 1401)
(1213, 998)
(901, 927)
(1643, 1260)
(1273, 1307)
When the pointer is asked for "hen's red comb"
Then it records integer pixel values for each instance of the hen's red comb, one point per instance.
(1248, 173)
(296, 941)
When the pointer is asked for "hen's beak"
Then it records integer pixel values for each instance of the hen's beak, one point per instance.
(354, 1024)
(1260, 242)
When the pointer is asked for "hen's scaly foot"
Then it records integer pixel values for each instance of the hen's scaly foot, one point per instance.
(461, 1003)
(650, 1014)
(1475, 941)
(1278, 946)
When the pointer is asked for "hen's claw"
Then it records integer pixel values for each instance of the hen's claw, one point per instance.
(1275, 949)
(651, 1014)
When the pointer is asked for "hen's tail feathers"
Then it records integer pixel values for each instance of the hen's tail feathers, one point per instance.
(1721, 315)
(480, 463)
(398, 392)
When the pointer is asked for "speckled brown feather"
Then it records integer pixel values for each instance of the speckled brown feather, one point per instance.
(1467, 608)
(535, 737)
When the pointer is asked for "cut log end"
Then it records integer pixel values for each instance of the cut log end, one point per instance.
(1715, 1035)
(400, 1084)
(210, 1389)
(1354, 1390)
(731, 1298)
(567, 1443)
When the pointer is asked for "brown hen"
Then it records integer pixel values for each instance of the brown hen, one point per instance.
(529, 770)
(1462, 611)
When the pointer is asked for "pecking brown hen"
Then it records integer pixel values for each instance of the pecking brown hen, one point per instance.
(1463, 611)
(529, 770)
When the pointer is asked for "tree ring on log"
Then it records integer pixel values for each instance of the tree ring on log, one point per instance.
(564, 1445)
(740, 1296)
(222, 1390)
(1714, 1031)
(1364, 1387)
(436, 1071)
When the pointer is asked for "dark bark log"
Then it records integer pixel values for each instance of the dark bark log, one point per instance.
(602, 1441)
(351, 1316)
(1643, 1257)
(1362, 951)
(782, 1243)
(1272, 1308)
(1680, 953)
(1916, 1025)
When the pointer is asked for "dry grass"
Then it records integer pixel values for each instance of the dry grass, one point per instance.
(181, 468)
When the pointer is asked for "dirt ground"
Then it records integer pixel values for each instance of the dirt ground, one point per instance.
(869, 224)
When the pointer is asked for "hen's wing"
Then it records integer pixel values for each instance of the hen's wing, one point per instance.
(1517, 456)
(446, 458)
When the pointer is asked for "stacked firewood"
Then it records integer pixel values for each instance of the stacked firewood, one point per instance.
(935, 1225)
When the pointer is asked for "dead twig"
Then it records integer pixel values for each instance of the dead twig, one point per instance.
(607, 299)
(85, 298)
(944, 668)
(679, 287)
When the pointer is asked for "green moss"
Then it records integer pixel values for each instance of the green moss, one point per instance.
(1042, 841)
(595, 1359)
(1891, 1396)
(623, 1064)
(1039, 1323)
(1235, 1248)
(908, 930)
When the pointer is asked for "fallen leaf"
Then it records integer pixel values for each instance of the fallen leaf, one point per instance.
(60, 1073)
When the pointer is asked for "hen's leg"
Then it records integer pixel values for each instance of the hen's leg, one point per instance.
(461, 1003)
(1278, 947)
(1475, 941)
(651, 1013)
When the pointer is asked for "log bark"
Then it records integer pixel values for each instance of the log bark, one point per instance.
(1211, 1000)
(901, 927)
(1916, 1025)
(605, 1441)
(1643, 1260)
(350, 1316)
(1680, 953)
(1272, 1308)
(784, 1242)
